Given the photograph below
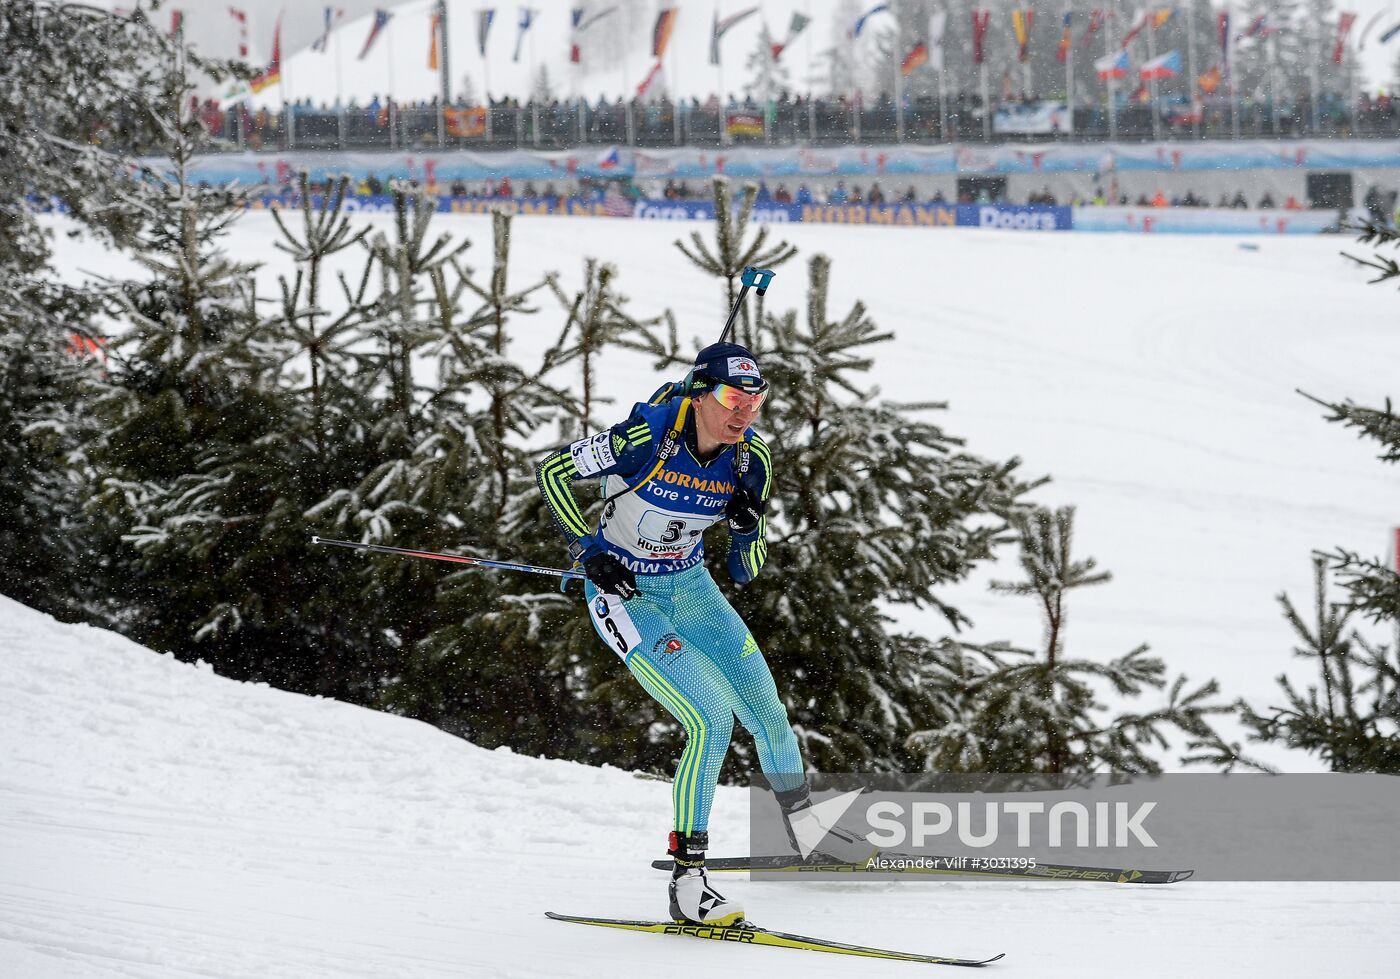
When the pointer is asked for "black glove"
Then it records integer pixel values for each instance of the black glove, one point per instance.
(611, 576)
(744, 510)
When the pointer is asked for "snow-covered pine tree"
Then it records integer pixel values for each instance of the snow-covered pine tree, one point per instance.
(1355, 723)
(42, 560)
(68, 75)
(1019, 710)
(596, 320)
(1351, 718)
(731, 253)
(193, 375)
(476, 662)
(873, 506)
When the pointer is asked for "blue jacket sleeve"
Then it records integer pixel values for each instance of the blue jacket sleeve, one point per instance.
(748, 552)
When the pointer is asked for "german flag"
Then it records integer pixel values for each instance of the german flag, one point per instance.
(272, 74)
(661, 33)
(918, 55)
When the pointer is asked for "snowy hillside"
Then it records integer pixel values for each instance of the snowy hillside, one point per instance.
(1153, 377)
(159, 821)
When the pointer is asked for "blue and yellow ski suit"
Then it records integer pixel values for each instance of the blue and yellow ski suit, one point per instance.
(679, 636)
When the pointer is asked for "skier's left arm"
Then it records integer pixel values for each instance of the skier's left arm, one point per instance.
(747, 513)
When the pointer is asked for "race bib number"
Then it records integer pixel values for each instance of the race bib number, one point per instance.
(668, 530)
(610, 618)
(593, 454)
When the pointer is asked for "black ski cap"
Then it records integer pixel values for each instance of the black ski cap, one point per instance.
(727, 363)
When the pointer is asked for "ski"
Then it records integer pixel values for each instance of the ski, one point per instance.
(749, 934)
(899, 863)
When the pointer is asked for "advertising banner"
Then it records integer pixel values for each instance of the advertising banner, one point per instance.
(792, 162)
(1032, 118)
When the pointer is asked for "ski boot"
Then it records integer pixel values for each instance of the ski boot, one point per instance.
(838, 845)
(693, 900)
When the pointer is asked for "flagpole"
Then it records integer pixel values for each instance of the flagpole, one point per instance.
(339, 91)
(942, 84)
(1109, 17)
(1069, 76)
(1193, 78)
(1152, 82)
(444, 73)
(1229, 46)
(1313, 74)
(898, 77)
(1273, 95)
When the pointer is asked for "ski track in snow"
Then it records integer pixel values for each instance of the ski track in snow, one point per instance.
(159, 821)
(156, 820)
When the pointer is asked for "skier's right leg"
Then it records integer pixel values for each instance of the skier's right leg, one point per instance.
(695, 693)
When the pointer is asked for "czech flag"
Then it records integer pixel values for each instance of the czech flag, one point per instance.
(610, 160)
(1163, 66)
(1113, 66)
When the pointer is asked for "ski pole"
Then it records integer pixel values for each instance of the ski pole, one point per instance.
(456, 558)
(752, 278)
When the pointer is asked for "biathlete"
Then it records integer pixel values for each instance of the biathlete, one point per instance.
(679, 464)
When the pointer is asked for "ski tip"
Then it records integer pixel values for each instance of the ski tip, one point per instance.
(1181, 875)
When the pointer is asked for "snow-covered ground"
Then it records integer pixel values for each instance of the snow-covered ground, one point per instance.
(1154, 377)
(159, 821)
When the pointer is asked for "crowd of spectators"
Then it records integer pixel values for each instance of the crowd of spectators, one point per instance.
(554, 123)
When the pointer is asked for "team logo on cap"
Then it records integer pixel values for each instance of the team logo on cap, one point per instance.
(743, 367)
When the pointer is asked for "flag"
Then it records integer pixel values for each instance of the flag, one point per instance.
(272, 74)
(464, 122)
(719, 27)
(1096, 18)
(937, 23)
(981, 20)
(1160, 18)
(484, 18)
(651, 77)
(1066, 38)
(743, 122)
(527, 17)
(1259, 25)
(433, 41)
(1113, 65)
(580, 25)
(1163, 66)
(1210, 81)
(381, 17)
(177, 21)
(918, 55)
(1021, 23)
(860, 21)
(1390, 33)
(1344, 22)
(333, 14)
(661, 33)
(1223, 36)
(242, 17)
(799, 21)
(1139, 22)
(609, 160)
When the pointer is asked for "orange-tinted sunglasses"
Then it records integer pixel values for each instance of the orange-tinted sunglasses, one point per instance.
(735, 398)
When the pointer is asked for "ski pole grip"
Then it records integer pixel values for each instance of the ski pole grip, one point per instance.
(758, 278)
